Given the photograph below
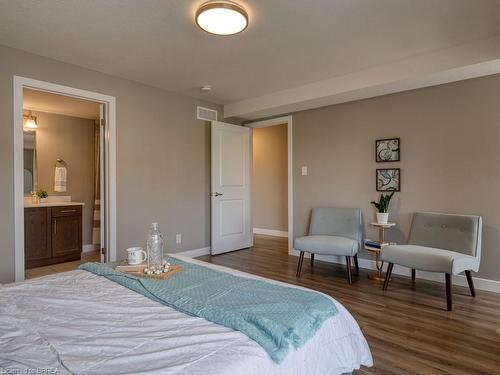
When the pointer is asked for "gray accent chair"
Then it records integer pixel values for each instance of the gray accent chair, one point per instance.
(332, 231)
(438, 242)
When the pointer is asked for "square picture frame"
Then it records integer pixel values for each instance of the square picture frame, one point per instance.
(388, 179)
(388, 150)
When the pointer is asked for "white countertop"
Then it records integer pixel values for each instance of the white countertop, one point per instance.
(53, 204)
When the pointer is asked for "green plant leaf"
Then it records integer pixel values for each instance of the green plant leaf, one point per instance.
(383, 204)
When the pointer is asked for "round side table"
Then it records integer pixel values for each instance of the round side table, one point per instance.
(378, 275)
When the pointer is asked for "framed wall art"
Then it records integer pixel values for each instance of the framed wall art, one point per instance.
(388, 179)
(387, 150)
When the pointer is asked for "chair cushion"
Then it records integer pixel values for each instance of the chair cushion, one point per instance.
(459, 233)
(429, 259)
(335, 221)
(327, 245)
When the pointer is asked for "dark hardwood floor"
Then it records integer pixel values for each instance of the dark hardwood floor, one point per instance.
(408, 328)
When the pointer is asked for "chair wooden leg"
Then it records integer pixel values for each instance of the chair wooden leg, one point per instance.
(413, 273)
(471, 283)
(299, 266)
(387, 276)
(356, 264)
(312, 260)
(448, 293)
(349, 274)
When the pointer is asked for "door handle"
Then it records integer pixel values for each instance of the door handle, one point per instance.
(217, 194)
(55, 226)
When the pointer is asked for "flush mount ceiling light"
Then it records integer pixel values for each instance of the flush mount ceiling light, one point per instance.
(221, 17)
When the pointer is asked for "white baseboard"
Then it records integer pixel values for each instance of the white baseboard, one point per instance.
(88, 248)
(196, 252)
(479, 283)
(270, 232)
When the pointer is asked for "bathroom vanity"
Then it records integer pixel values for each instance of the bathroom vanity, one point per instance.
(53, 233)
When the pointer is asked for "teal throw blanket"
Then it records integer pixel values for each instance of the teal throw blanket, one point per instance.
(274, 316)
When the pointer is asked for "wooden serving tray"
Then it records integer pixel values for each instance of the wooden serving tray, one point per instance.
(138, 270)
(165, 275)
(125, 267)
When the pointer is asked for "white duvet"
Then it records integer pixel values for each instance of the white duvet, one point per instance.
(77, 322)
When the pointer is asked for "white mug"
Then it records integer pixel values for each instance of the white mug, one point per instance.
(136, 255)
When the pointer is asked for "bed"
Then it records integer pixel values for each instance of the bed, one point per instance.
(81, 323)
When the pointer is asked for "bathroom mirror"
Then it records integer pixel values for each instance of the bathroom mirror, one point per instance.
(30, 163)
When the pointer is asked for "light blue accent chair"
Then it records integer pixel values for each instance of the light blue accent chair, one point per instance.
(438, 242)
(332, 231)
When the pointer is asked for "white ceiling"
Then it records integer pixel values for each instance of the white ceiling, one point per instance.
(289, 43)
(40, 101)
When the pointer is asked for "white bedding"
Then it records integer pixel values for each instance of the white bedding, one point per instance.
(81, 323)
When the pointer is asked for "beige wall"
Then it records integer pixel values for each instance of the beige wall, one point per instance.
(71, 139)
(450, 154)
(163, 156)
(270, 178)
(450, 157)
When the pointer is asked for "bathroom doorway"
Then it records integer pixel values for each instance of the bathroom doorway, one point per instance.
(64, 173)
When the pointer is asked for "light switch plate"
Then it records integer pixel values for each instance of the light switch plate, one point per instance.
(304, 170)
(178, 238)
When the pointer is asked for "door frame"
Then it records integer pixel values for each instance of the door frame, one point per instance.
(273, 122)
(109, 102)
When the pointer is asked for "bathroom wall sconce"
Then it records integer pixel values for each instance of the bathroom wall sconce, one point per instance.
(29, 123)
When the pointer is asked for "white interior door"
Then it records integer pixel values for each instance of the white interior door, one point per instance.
(231, 166)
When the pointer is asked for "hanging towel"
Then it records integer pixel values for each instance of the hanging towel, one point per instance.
(60, 178)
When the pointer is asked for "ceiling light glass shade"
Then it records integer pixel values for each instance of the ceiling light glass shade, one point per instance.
(30, 124)
(222, 18)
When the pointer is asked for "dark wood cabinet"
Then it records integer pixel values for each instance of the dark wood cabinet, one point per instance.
(66, 237)
(37, 243)
(52, 235)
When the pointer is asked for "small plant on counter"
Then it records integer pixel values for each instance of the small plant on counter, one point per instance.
(42, 194)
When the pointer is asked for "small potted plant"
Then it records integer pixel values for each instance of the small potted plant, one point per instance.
(42, 195)
(383, 207)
